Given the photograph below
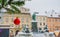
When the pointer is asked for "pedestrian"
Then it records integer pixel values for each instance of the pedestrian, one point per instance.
(16, 32)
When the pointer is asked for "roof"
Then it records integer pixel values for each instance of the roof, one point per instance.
(42, 15)
(54, 17)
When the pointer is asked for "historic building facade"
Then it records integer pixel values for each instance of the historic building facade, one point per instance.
(53, 23)
(8, 20)
(41, 23)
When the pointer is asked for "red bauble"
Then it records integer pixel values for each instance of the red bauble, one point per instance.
(17, 21)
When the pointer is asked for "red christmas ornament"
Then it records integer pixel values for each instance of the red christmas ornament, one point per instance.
(17, 21)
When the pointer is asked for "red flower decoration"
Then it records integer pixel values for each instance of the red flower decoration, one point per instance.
(17, 21)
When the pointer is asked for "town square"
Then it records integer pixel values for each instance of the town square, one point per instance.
(29, 18)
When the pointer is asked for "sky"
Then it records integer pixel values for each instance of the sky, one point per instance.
(43, 5)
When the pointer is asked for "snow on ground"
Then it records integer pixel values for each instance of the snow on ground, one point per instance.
(38, 35)
(42, 35)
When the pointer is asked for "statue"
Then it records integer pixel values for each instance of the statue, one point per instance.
(34, 15)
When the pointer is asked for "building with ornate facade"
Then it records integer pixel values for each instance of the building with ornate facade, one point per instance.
(7, 21)
(53, 24)
(41, 23)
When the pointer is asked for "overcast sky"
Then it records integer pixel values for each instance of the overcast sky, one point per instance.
(43, 5)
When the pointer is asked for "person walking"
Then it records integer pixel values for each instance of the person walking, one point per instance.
(16, 33)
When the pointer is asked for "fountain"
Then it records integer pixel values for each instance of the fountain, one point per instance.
(25, 33)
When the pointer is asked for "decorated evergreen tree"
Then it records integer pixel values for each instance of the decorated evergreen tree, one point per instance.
(11, 5)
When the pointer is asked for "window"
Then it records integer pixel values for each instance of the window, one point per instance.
(50, 29)
(27, 20)
(55, 19)
(51, 20)
(7, 19)
(22, 19)
(40, 19)
(43, 18)
(43, 23)
(57, 29)
(59, 20)
(12, 19)
(40, 28)
(23, 25)
(40, 23)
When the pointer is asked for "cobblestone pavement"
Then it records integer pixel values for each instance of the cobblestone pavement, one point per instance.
(41, 35)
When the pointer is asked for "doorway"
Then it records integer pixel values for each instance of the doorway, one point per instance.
(4, 32)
